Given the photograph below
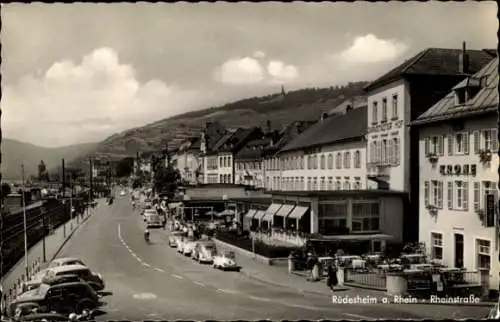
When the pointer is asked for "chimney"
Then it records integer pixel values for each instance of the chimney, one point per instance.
(324, 116)
(463, 60)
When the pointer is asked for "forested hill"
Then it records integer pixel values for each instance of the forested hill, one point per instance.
(279, 109)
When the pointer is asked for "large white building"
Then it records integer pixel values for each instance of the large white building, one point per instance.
(395, 100)
(187, 160)
(458, 143)
(330, 155)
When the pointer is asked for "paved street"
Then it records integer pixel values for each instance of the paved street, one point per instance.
(152, 281)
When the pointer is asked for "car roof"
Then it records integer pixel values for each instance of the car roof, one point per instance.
(57, 279)
(206, 242)
(66, 268)
(66, 259)
(61, 285)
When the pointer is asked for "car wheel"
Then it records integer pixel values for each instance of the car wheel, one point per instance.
(238, 269)
(85, 304)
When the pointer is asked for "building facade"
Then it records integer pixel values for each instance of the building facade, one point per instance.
(187, 160)
(330, 155)
(458, 217)
(395, 100)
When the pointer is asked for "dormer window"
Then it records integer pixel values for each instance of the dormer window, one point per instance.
(466, 90)
(460, 97)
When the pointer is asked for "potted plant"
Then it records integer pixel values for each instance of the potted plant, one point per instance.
(433, 157)
(485, 156)
(481, 214)
(433, 210)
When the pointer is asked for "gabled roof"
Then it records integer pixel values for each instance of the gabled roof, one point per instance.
(350, 125)
(485, 101)
(434, 61)
(233, 142)
(354, 102)
(255, 148)
(289, 133)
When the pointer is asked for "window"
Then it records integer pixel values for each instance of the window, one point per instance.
(489, 188)
(395, 147)
(437, 246)
(347, 185)
(330, 161)
(309, 183)
(322, 187)
(322, 161)
(384, 152)
(384, 110)
(347, 160)
(450, 195)
(375, 113)
(357, 160)
(435, 145)
(477, 196)
(357, 183)
(338, 161)
(461, 195)
(483, 254)
(461, 143)
(437, 193)
(337, 185)
(315, 183)
(365, 217)
(315, 161)
(490, 140)
(221, 179)
(332, 218)
(395, 107)
(330, 183)
(373, 149)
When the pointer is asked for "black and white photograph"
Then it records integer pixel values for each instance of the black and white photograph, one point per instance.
(249, 161)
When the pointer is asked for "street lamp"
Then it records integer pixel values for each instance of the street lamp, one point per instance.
(24, 220)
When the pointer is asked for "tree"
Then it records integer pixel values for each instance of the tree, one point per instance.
(166, 179)
(6, 190)
(125, 167)
(43, 175)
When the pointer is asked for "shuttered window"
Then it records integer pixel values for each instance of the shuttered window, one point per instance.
(465, 190)
(441, 145)
(494, 140)
(426, 146)
(450, 144)
(465, 139)
(426, 193)
(477, 195)
(477, 142)
(440, 195)
(450, 195)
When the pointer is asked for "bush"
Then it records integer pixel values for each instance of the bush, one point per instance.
(262, 249)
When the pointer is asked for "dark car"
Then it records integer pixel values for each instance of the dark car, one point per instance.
(61, 298)
(40, 317)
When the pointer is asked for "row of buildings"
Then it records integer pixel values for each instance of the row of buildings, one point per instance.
(413, 159)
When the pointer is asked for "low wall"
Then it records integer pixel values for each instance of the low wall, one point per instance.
(260, 258)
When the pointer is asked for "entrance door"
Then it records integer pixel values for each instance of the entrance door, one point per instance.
(459, 250)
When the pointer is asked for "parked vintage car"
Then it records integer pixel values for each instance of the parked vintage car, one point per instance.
(153, 220)
(63, 261)
(204, 251)
(34, 283)
(189, 244)
(226, 261)
(174, 236)
(62, 298)
(93, 279)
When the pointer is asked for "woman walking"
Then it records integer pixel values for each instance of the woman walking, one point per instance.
(332, 280)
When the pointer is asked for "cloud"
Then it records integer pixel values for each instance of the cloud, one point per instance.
(70, 103)
(371, 49)
(248, 70)
(240, 71)
(259, 54)
(280, 72)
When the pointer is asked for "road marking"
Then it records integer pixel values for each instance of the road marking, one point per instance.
(146, 264)
(159, 270)
(260, 299)
(177, 276)
(306, 307)
(226, 291)
(198, 283)
(358, 316)
(145, 296)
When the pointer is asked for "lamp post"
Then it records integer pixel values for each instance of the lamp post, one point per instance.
(24, 220)
(42, 209)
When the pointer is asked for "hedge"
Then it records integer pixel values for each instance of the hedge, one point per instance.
(261, 248)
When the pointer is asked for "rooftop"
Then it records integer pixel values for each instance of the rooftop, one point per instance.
(332, 129)
(369, 192)
(485, 101)
(434, 61)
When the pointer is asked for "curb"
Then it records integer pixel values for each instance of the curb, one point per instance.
(69, 237)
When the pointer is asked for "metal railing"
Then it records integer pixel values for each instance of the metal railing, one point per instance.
(366, 278)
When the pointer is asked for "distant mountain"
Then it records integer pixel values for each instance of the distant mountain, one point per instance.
(14, 153)
(305, 104)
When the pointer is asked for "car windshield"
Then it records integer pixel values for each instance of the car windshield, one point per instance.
(211, 249)
(229, 255)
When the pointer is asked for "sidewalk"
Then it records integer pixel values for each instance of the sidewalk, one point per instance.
(53, 244)
(279, 276)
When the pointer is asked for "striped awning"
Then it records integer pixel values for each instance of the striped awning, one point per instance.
(259, 215)
(268, 217)
(273, 208)
(298, 212)
(284, 210)
(250, 213)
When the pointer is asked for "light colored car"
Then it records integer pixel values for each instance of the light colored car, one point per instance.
(172, 239)
(63, 261)
(226, 261)
(189, 244)
(123, 193)
(180, 244)
(204, 251)
(153, 220)
(93, 279)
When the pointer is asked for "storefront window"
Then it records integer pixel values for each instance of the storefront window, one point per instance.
(332, 219)
(365, 217)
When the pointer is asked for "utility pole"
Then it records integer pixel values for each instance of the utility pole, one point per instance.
(63, 194)
(91, 174)
(71, 203)
(44, 255)
(24, 219)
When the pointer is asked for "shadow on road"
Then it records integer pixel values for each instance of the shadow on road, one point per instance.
(106, 293)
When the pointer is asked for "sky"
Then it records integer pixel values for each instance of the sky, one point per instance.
(75, 73)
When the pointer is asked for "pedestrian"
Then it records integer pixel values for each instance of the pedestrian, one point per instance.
(332, 280)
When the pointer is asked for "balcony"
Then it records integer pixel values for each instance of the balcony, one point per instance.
(379, 170)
